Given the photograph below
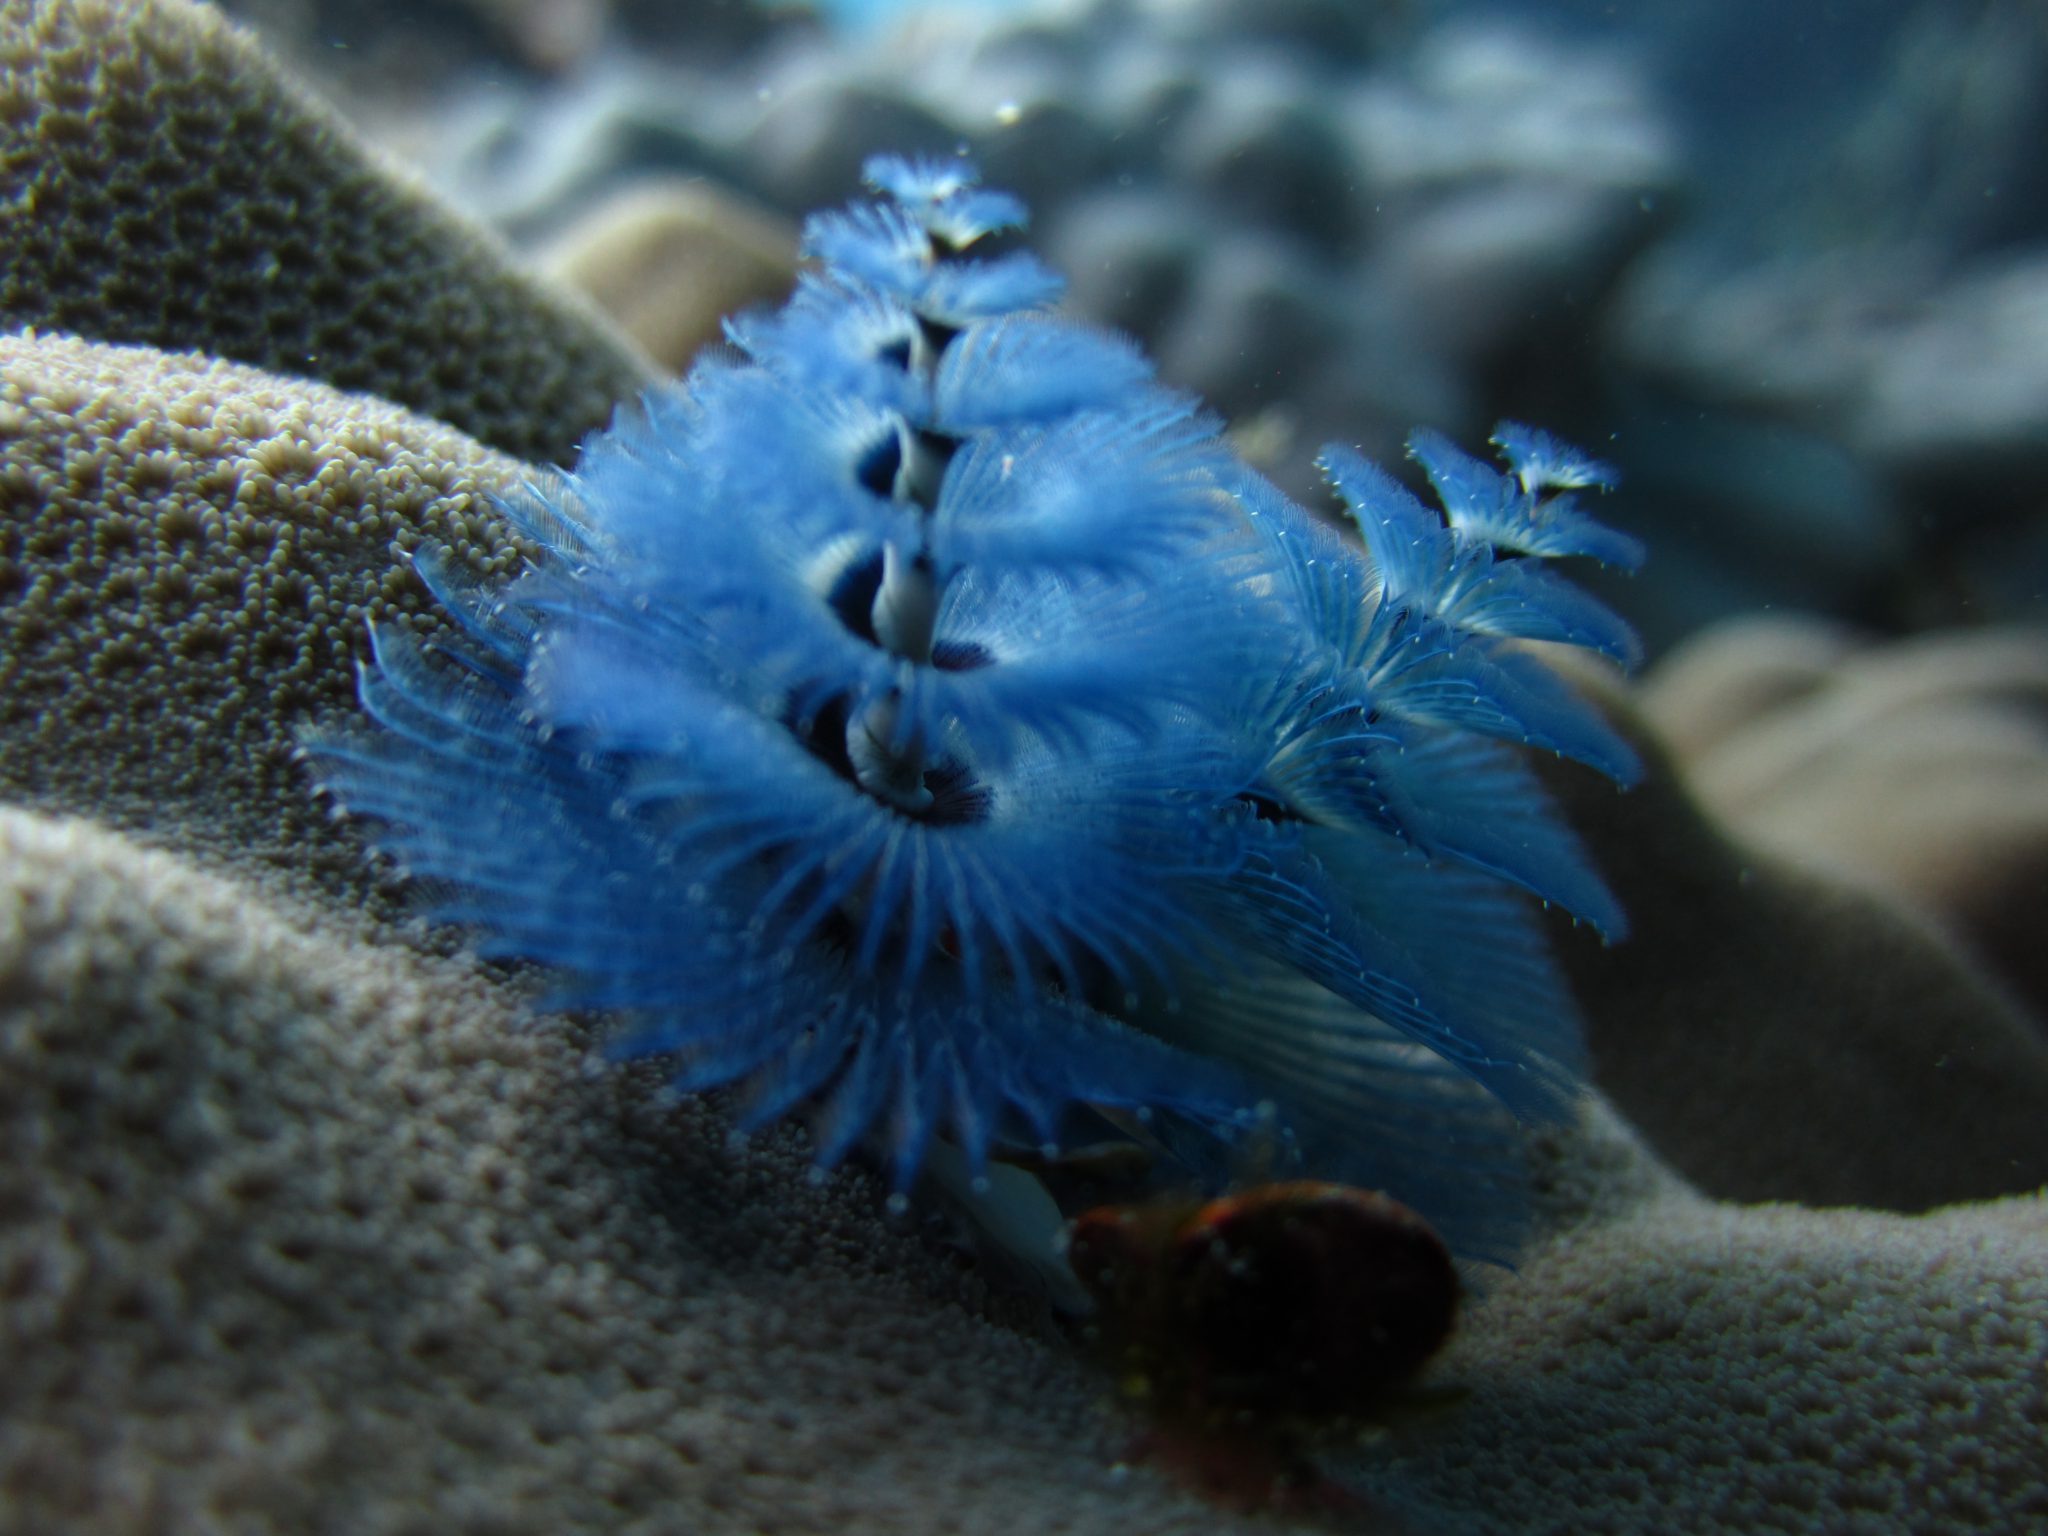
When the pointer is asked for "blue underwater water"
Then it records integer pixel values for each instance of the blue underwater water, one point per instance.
(926, 721)
(856, 16)
(1748, 251)
(1778, 263)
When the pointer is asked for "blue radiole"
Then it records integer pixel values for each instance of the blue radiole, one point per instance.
(922, 719)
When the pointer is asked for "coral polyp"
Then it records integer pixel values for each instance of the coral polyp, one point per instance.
(922, 717)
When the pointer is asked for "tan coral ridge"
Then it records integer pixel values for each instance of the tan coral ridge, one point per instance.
(163, 183)
(191, 554)
(1913, 766)
(306, 1234)
(668, 259)
(1666, 1363)
(303, 1231)
(1781, 1034)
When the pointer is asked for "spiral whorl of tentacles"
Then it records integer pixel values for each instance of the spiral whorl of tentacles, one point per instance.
(924, 717)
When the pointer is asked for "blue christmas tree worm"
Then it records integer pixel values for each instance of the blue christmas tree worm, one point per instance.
(924, 718)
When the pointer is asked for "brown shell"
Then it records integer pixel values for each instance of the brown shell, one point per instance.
(1299, 1299)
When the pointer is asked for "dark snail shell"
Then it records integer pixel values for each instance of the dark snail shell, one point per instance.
(1295, 1299)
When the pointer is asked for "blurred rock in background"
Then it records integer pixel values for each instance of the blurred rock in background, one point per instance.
(1788, 268)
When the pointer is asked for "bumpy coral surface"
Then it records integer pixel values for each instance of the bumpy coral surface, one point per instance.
(1760, 1368)
(191, 551)
(305, 1235)
(162, 183)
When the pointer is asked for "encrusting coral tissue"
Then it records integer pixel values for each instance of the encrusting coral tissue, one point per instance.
(924, 717)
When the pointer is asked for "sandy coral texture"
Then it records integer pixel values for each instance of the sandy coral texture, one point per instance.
(162, 183)
(302, 1234)
(189, 562)
(305, 1236)
(191, 553)
(305, 1230)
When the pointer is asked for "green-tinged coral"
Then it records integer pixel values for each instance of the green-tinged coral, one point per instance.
(161, 182)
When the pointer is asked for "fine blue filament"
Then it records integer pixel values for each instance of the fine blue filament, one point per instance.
(925, 718)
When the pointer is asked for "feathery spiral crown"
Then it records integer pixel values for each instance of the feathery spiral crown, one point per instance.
(927, 717)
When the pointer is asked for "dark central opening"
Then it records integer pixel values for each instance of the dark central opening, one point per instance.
(958, 798)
